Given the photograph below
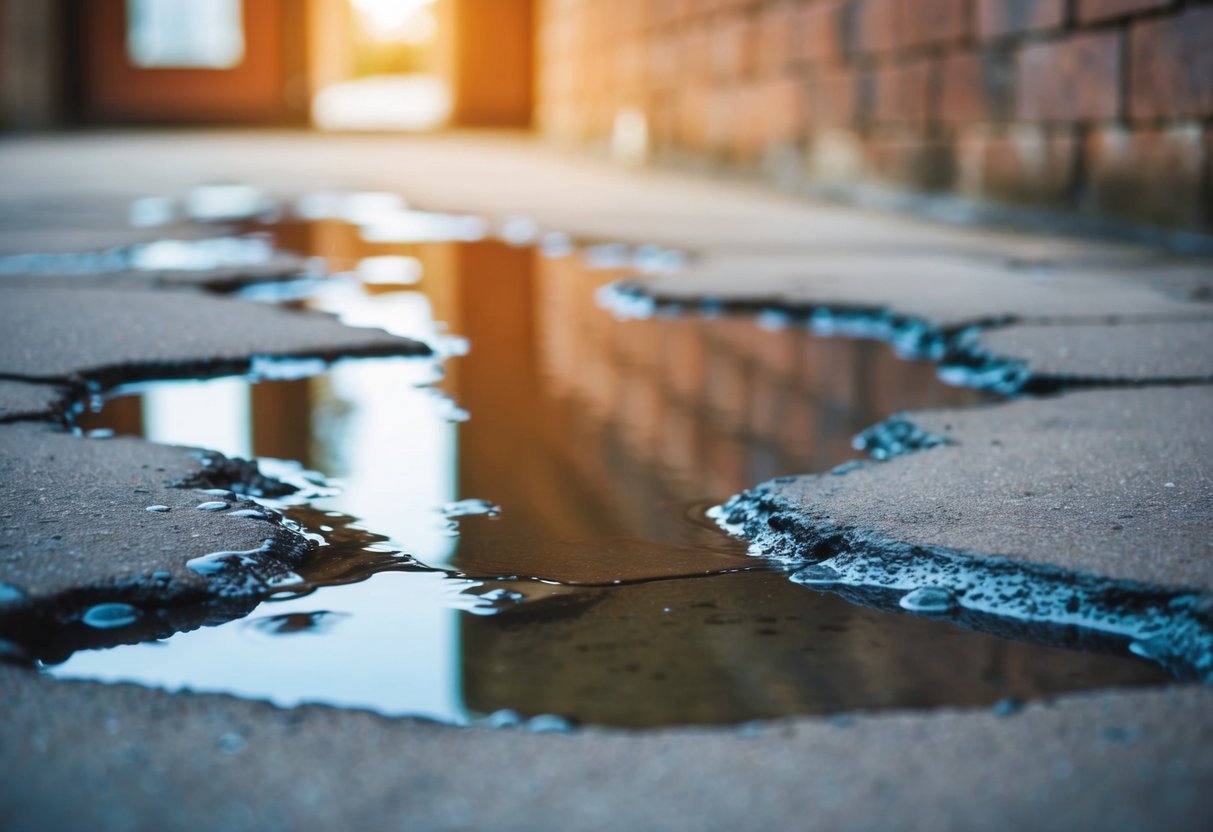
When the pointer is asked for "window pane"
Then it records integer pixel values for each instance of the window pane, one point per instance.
(200, 34)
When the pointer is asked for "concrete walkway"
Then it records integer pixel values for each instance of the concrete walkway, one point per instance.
(1113, 484)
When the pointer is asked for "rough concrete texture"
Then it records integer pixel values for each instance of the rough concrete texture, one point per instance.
(1127, 352)
(948, 292)
(218, 278)
(74, 520)
(60, 334)
(1114, 483)
(20, 400)
(140, 759)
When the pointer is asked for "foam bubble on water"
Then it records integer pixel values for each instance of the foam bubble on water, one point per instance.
(929, 600)
(470, 507)
(111, 616)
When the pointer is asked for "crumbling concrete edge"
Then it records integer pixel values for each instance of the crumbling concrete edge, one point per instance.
(962, 359)
(992, 593)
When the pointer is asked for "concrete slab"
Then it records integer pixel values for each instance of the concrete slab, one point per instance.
(137, 758)
(76, 529)
(1124, 353)
(1111, 483)
(57, 334)
(19, 400)
(948, 292)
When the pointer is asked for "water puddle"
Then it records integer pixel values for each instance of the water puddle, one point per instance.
(518, 528)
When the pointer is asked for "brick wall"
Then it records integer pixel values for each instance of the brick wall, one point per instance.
(1102, 107)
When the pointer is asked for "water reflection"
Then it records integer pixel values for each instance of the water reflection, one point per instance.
(602, 443)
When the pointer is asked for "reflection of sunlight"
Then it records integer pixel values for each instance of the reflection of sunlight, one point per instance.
(210, 414)
(408, 21)
(398, 654)
(383, 102)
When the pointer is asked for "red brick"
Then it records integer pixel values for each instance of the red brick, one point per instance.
(903, 93)
(1171, 66)
(1090, 11)
(773, 39)
(911, 159)
(874, 24)
(1000, 18)
(932, 21)
(728, 47)
(832, 98)
(1151, 175)
(1077, 79)
(973, 88)
(820, 32)
(1023, 164)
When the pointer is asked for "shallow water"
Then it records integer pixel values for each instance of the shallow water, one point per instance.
(599, 591)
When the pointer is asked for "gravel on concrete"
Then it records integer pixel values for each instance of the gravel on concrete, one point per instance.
(122, 757)
(75, 525)
(57, 334)
(1116, 483)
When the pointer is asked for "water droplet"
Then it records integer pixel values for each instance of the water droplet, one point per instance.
(504, 718)
(222, 493)
(471, 507)
(111, 616)
(232, 743)
(1007, 706)
(248, 512)
(928, 599)
(158, 509)
(818, 573)
(549, 724)
(216, 505)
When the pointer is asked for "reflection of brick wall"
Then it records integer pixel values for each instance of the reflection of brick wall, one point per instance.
(712, 405)
(1098, 106)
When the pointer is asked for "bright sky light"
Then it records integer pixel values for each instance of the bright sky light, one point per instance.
(407, 20)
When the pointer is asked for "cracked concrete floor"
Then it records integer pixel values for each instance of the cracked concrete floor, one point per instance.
(1074, 309)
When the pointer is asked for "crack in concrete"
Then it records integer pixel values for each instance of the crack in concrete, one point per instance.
(991, 593)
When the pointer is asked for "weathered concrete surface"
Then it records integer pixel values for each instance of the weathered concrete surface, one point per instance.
(57, 274)
(74, 520)
(1114, 483)
(1126, 352)
(496, 175)
(59, 334)
(21, 400)
(120, 757)
(946, 291)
